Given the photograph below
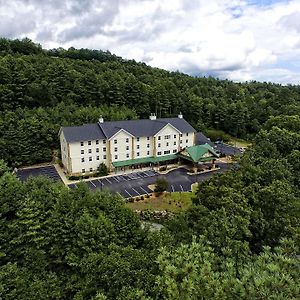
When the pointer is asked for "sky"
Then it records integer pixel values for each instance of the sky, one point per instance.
(239, 40)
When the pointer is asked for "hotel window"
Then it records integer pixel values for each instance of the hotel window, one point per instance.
(127, 155)
(83, 171)
(158, 145)
(90, 150)
(159, 153)
(187, 134)
(180, 134)
(159, 138)
(89, 143)
(148, 152)
(137, 146)
(186, 141)
(81, 143)
(104, 141)
(91, 169)
(98, 157)
(138, 154)
(127, 147)
(167, 137)
(148, 145)
(104, 149)
(97, 150)
(167, 152)
(116, 156)
(82, 160)
(175, 136)
(104, 156)
(116, 149)
(115, 141)
(137, 139)
(82, 151)
(90, 158)
(167, 144)
(97, 142)
(174, 151)
(148, 138)
(174, 143)
(127, 140)
(180, 141)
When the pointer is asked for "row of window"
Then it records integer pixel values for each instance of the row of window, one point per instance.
(166, 152)
(167, 137)
(90, 150)
(90, 142)
(91, 158)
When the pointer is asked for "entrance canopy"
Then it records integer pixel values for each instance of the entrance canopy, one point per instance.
(199, 153)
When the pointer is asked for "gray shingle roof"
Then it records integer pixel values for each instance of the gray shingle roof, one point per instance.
(201, 139)
(138, 128)
(86, 132)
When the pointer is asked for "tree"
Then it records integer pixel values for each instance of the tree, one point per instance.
(102, 170)
(161, 185)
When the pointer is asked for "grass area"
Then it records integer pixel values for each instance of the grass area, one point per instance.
(238, 142)
(172, 202)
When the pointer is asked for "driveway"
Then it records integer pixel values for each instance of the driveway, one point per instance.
(136, 184)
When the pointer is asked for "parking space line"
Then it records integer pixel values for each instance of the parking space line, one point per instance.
(146, 174)
(93, 183)
(181, 187)
(108, 180)
(115, 178)
(100, 182)
(172, 188)
(143, 190)
(135, 191)
(128, 193)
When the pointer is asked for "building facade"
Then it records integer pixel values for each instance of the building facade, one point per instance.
(120, 144)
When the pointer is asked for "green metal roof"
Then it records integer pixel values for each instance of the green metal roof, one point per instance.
(195, 153)
(143, 160)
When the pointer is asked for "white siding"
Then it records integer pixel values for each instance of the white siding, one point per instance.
(124, 140)
(64, 151)
(89, 152)
(167, 140)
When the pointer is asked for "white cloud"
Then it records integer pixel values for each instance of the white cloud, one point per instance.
(237, 39)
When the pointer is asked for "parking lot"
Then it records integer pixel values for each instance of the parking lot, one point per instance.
(136, 184)
(48, 171)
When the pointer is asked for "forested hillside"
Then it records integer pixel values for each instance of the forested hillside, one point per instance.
(238, 240)
(31, 78)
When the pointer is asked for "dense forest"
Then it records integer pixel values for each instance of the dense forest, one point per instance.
(239, 239)
(36, 82)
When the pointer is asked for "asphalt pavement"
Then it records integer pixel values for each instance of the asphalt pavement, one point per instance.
(136, 184)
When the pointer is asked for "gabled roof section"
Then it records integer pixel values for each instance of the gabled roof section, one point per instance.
(144, 127)
(199, 153)
(137, 128)
(202, 139)
(85, 132)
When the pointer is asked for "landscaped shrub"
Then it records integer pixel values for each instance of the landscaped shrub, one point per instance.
(102, 170)
(137, 199)
(142, 197)
(86, 176)
(164, 168)
(192, 171)
(73, 177)
(147, 196)
(131, 200)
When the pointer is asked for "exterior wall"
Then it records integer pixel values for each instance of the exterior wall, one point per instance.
(123, 147)
(92, 158)
(64, 151)
(186, 139)
(143, 146)
(167, 140)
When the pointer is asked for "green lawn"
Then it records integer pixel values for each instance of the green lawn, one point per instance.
(172, 202)
(239, 142)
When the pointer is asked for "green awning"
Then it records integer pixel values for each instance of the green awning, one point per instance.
(196, 153)
(143, 160)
